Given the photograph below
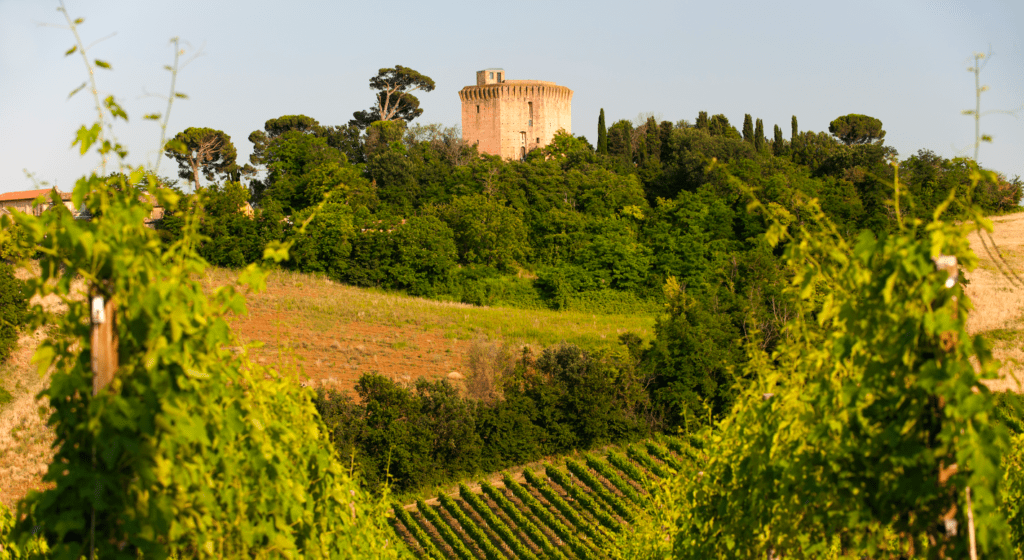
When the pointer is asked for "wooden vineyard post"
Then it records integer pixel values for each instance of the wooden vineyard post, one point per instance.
(103, 341)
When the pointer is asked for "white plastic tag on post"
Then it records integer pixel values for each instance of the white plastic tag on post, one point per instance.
(948, 263)
(98, 315)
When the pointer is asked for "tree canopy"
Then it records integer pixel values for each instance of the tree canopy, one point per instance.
(395, 100)
(205, 151)
(857, 129)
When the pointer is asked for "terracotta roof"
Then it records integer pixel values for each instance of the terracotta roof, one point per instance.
(31, 195)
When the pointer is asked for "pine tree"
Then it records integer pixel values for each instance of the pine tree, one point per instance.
(778, 144)
(602, 135)
(759, 136)
(702, 121)
(748, 128)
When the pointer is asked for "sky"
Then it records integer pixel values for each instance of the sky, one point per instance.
(902, 61)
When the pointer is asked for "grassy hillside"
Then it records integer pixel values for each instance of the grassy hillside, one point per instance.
(335, 333)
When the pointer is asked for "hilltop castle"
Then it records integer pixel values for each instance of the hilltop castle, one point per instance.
(511, 117)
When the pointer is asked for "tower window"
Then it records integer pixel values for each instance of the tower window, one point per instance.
(491, 75)
(477, 108)
(499, 76)
(538, 139)
(530, 103)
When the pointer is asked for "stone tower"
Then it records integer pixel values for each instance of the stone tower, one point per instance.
(511, 117)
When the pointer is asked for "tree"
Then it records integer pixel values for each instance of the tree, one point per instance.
(702, 121)
(665, 133)
(719, 126)
(857, 129)
(602, 135)
(653, 139)
(203, 150)
(778, 144)
(620, 140)
(395, 100)
(274, 128)
(796, 130)
(759, 135)
(748, 128)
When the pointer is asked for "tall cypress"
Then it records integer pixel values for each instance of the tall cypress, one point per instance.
(759, 136)
(748, 128)
(778, 143)
(665, 134)
(796, 131)
(653, 139)
(702, 121)
(602, 135)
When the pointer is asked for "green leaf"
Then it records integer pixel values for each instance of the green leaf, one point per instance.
(102, 64)
(71, 50)
(76, 90)
(114, 108)
(152, 116)
(180, 95)
(86, 137)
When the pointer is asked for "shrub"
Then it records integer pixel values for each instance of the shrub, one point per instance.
(13, 309)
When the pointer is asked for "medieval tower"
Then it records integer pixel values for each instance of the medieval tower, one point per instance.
(511, 117)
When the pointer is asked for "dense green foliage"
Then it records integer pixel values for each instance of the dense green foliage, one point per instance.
(192, 450)
(868, 397)
(429, 434)
(13, 309)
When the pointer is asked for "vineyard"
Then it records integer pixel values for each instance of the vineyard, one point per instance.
(575, 508)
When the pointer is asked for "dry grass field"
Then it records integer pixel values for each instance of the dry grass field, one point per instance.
(998, 297)
(333, 333)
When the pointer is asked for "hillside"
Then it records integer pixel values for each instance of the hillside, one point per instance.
(335, 333)
(999, 298)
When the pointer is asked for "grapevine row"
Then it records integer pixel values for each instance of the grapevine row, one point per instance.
(547, 518)
(600, 489)
(518, 548)
(630, 470)
(446, 532)
(613, 477)
(470, 527)
(583, 499)
(635, 454)
(664, 454)
(563, 507)
(418, 533)
(521, 521)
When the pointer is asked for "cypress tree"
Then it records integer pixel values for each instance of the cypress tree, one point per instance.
(759, 136)
(702, 121)
(666, 135)
(796, 131)
(778, 142)
(653, 139)
(602, 135)
(748, 128)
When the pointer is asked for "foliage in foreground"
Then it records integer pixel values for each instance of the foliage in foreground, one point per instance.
(192, 450)
(874, 396)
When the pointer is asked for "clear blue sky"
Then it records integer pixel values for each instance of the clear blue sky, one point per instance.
(903, 62)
